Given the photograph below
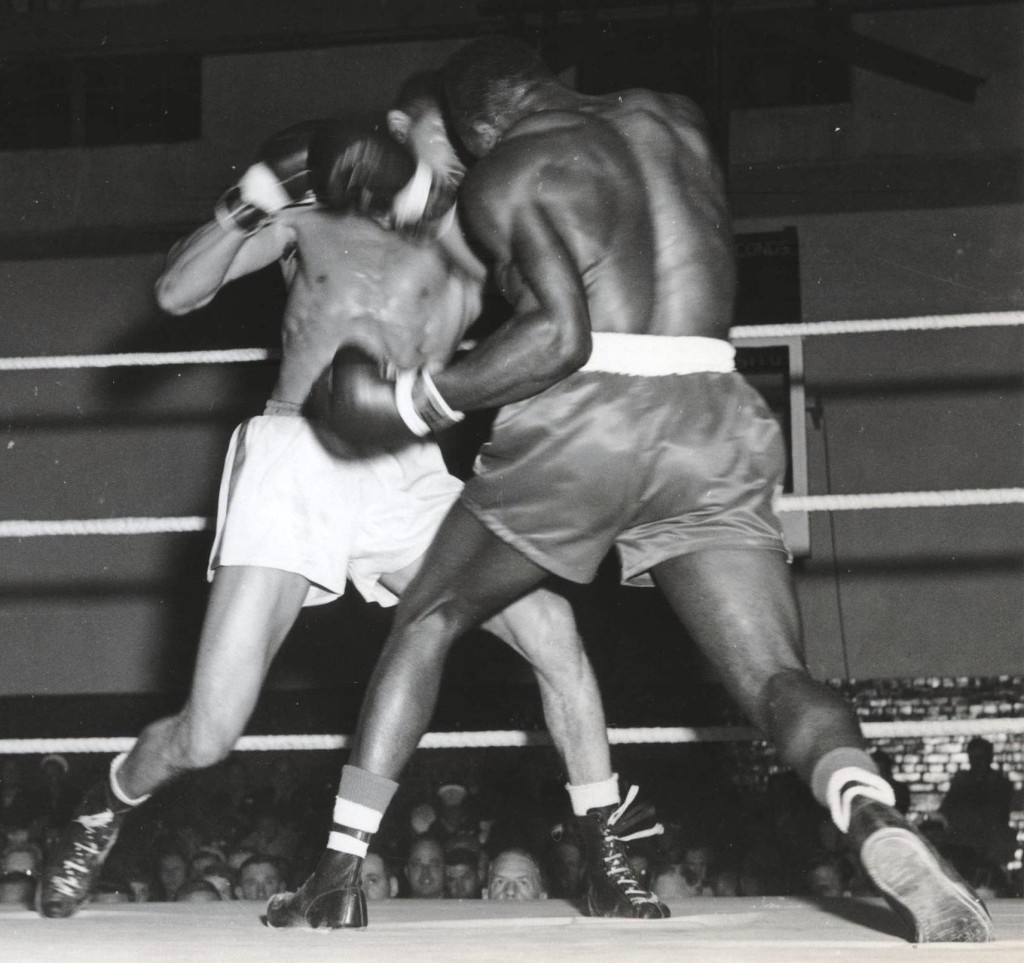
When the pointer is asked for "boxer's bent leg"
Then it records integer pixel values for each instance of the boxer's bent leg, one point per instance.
(467, 575)
(740, 608)
(541, 627)
(250, 611)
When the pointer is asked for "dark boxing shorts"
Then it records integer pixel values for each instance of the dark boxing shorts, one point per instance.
(656, 446)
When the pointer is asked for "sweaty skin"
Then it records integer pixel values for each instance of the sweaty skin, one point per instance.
(607, 217)
(355, 281)
(408, 300)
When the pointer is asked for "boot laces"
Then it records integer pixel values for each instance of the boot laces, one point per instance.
(84, 851)
(656, 830)
(616, 862)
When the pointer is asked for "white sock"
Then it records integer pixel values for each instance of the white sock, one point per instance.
(115, 786)
(591, 795)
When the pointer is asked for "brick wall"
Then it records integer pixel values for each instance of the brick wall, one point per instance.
(925, 763)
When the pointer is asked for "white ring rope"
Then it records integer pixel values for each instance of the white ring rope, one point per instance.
(143, 358)
(26, 528)
(505, 739)
(937, 499)
(15, 528)
(927, 322)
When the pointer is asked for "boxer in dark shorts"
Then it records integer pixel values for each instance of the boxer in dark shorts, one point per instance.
(547, 482)
(605, 224)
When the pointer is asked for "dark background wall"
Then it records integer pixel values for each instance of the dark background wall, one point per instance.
(905, 201)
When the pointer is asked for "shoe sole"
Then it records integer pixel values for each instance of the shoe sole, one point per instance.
(594, 911)
(909, 874)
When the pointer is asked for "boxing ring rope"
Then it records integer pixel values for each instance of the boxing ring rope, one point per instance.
(515, 739)
(509, 738)
(928, 322)
(956, 498)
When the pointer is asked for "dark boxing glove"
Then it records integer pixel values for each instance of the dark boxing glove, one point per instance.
(277, 178)
(355, 167)
(371, 408)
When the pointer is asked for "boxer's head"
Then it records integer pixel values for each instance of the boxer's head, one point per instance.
(487, 84)
(417, 121)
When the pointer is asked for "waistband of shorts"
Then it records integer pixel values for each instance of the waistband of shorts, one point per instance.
(657, 354)
(287, 408)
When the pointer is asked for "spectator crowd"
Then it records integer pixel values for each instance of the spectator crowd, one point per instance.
(254, 826)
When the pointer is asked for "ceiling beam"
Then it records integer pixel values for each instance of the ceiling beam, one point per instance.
(238, 26)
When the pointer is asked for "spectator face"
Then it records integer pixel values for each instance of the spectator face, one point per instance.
(461, 881)
(259, 881)
(17, 890)
(569, 869)
(267, 828)
(172, 871)
(696, 862)
(825, 881)
(20, 861)
(670, 884)
(376, 882)
(422, 818)
(199, 892)
(726, 882)
(516, 876)
(425, 870)
(54, 770)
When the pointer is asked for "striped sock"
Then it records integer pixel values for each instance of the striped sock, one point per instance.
(843, 774)
(363, 798)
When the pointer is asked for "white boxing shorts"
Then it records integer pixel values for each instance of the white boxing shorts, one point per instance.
(287, 503)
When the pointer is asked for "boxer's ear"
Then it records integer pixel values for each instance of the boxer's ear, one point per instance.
(486, 135)
(399, 123)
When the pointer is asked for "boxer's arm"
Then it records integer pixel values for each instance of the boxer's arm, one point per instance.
(199, 265)
(548, 336)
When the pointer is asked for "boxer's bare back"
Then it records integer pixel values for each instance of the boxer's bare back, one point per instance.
(355, 281)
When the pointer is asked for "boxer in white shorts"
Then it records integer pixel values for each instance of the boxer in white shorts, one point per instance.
(297, 521)
(287, 503)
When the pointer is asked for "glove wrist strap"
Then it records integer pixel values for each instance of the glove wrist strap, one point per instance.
(234, 214)
(432, 407)
(405, 381)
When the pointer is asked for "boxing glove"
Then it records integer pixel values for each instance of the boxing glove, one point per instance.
(370, 407)
(355, 167)
(278, 177)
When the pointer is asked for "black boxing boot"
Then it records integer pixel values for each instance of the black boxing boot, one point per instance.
(88, 839)
(926, 892)
(332, 897)
(612, 888)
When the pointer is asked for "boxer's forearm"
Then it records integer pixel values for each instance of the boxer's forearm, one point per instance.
(199, 265)
(525, 356)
